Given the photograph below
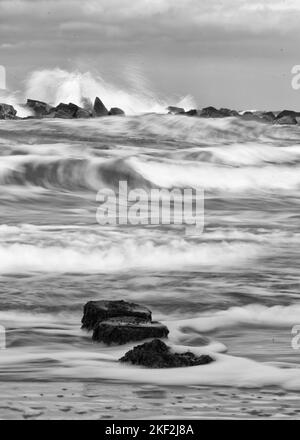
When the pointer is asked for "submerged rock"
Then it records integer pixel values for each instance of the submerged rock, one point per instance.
(175, 110)
(7, 111)
(39, 108)
(116, 111)
(286, 120)
(156, 354)
(99, 108)
(98, 311)
(122, 330)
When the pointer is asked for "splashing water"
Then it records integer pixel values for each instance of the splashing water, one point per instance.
(55, 86)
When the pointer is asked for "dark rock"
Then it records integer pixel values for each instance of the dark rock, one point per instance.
(268, 116)
(287, 113)
(39, 108)
(66, 111)
(249, 116)
(115, 111)
(156, 354)
(122, 330)
(82, 113)
(210, 112)
(98, 311)
(286, 120)
(192, 112)
(7, 112)
(99, 108)
(227, 113)
(175, 110)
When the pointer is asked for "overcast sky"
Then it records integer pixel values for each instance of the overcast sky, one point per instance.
(233, 53)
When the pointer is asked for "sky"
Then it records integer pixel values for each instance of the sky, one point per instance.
(230, 53)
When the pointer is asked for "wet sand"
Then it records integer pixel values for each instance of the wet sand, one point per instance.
(41, 400)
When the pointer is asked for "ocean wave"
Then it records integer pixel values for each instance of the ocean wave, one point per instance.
(255, 315)
(57, 85)
(213, 177)
(94, 173)
(146, 256)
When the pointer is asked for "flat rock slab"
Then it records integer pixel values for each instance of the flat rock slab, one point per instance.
(116, 331)
(95, 312)
(156, 354)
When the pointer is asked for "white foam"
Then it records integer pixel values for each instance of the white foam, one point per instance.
(57, 85)
(216, 177)
(147, 255)
(253, 314)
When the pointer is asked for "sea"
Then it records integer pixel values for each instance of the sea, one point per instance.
(231, 291)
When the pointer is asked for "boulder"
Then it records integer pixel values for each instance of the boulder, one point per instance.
(192, 112)
(82, 113)
(7, 111)
(66, 111)
(98, 311)
(175, 110)
(156, 354)
(267, 116)
(287, 113)
(227, 113)
(39, 108)
(285, 120)
(123, 330)
(249, 116)
(115, 111)
(99, 108)
(210, 112)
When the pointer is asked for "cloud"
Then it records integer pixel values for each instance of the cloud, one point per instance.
(177, 41)
(151, 18)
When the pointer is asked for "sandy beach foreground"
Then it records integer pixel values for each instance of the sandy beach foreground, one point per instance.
(98, 400)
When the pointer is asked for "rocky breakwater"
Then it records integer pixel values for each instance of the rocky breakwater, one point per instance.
(286, 117)
(42, 110)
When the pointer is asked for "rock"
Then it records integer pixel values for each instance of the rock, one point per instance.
(98, 311)
(123, 330)
(175, 110)
(7, 112)
(156, 354)
(66, 111)
(287, 113)
(249, 116)
(39, 108)
(286, 120)
(267, 116)
(227, 113)
(99, 108)
(192, 112)
(82, 113)
(210, 112)
(115, 111)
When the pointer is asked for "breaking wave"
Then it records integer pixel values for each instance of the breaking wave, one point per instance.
(56, 85)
